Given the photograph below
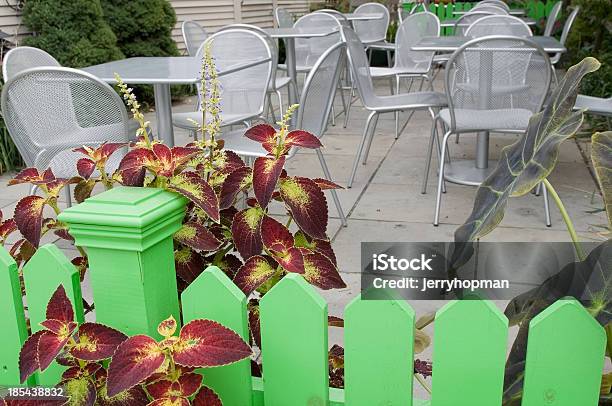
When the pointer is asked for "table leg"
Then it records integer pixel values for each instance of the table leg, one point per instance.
(163, 113)
(292, 72)
(482, 150)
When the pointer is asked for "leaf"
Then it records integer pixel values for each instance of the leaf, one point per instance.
(28, 356)
(59, 327)
(28, 217)
(83, 190)
(325, 184)
(524, 164)
(136, 359)
(320, 272)
(275, 236)
(49, 347)
(167, 327)
(190, 383)
(421, 341)
(253, 273)
(207, 397)
(60, 307)
(307, 204)
(601, 155)
(135, 396)
(304, 139)
(254, 321)
(96, 342)
(334, 321)
(189, 264)
(133, 166)
(236, 181)
(160, 389)
(196, 189)
(227, 161)
(206, 343)
(197, 236)
(265, 134)
(81, 391)
(27, 175)
(246, 232)
(170, 401)
(85, 167)
(7, 227)
(266, 172)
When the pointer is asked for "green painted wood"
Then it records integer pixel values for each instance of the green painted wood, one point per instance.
(14, 324)
(565, 356)
(448, 13)
(128, 236)
(294, 344)
(378, 352)
(469, 355)
(43, 273)
(214, 296)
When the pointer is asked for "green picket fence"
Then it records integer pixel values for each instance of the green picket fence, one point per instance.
(536, 9)
(128, 235)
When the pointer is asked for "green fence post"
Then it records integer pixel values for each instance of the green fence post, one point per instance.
(127, 233)
(15, 330)
(42, 275)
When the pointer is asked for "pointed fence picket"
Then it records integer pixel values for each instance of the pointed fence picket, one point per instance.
(565, 351)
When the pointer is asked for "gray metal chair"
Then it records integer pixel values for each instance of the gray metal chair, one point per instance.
(373, 33)
(490, 8)
(383, 104)
(597, 106)
(283, 18)
(498, 25)
(194, 36)
(309, 50)
(552, 18)
(464, 21)
(313, 114)
(21, 58)
(243, 92)
(564, 35)
(492, 84)
(497, 3)
(49, 111)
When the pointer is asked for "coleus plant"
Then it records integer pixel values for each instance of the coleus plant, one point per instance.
(141, 370)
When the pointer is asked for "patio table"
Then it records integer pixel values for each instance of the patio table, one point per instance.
(513, 12)
(289, 35)
(161, 72)
(452, 21)
(464, 171)
(363, 17)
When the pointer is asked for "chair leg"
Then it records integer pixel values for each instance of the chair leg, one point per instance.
(333, 115)
(360, 149)
(434, 130)
(68, 196)
(546, 205)
(440, 180)
(389, 61)
(348, 108)
(333, 191)
(33, 189)
(370, 139)
(397, 90)
(280, 102)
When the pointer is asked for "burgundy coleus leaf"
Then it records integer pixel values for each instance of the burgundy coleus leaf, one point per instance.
(246, 232)
(31, 175)
(54, 187)
(160, 389)
(60, 307)
(189, 264)
(195, 188)
(197, 236)
(291, 260)
(325, 184)
(321, 272)
(81, 265)
(227, 161)
(85, 167)
(307, 204)
(206, 343)
(49, 347)
(254, 323)
(304, 139)
(7, 227)
(275, 236)
(265, 134)
(207, 397)
(335, 321)
(22, 250)
(253, 273)
(89, 369)
(135, 396)
(168, 160)
(83, 190)
(28, 217)
(81, 391)
(324, 247)
(266, 172)
(230, 265)
(170, 401)
(28, 356)
(190, 383)
(59, 327)
(133, 166)
(237, 180)
(101, 154)
(135, 359)
(167, 327)
(95, 342)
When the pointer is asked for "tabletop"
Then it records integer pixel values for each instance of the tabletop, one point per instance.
(452, 43)
(452, 21)
(160, 70)
(299, 32)
(363, 16)
(513, 12)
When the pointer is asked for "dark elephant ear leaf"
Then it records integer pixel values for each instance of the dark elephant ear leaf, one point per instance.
(524, 164)
(601, 155)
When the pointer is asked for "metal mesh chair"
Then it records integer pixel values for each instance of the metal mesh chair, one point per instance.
(373, 33)
(552, 18)
(383, 104)
(493, 83)
(21, 58)
(497, 3)
(463, 22)
(309, 50)
(283, 18)
(50, 111)
(243, 92)
(194, 36)
(313, 114)
(565, 33)
(498, 25)
(597, 106)
(490, 8)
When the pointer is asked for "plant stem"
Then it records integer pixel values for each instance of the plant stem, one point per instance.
(566, 218)
(423, 383)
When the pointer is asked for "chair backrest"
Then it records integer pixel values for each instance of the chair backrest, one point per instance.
(51, 110)
(566, 30)
(497, 72)
(492, 9)
(498, 3)
(21, 58)
(372, 30)
(498, 25)
(338, 15)
(409, 33)
(360, 66)
(319, 91)
(463, 22)
(243, 92)
(309, 50)
(194, 36)
(283, 18)
(552, 18)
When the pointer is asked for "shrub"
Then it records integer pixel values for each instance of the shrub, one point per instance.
(74, 32)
